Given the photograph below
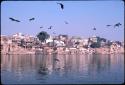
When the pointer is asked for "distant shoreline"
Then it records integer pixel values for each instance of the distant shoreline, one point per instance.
(61, 44)
(63, 50)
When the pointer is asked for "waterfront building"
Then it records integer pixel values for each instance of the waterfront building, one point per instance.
(59, 43)
(63, 37)
(102, 43)
(50, 39)
(19, 42)
(94, 38)
(114, 48)
(4, 39)
(85, 41)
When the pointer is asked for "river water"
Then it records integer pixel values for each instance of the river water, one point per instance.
(62, 69)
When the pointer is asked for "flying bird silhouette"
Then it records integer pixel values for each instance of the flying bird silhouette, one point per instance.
(41, 27)
(54, 33)
(117, 25)
(50, 27)
(94, 28)
(66, 22)
(62, 6)
(108, 25)
(14, 19)
(31, 19)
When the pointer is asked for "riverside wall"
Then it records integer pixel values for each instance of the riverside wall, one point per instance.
(14, 49)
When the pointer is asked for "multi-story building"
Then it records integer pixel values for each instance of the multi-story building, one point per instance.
(94, 39)
(85, 41)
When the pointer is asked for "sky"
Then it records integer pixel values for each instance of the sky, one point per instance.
(82, 17)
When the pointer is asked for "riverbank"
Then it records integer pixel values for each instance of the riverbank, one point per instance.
(61, 50)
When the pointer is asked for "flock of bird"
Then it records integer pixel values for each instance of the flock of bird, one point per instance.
(115, 25)
(62, 7)
(20, 21)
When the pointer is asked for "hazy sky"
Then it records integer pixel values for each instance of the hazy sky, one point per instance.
(82, 17)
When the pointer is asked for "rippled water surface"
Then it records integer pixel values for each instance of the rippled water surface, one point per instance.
(62, 69)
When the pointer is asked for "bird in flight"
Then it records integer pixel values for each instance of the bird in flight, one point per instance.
(66, 22)
(41, 27)
(108, 25)
(94, 28)
(62, 6)
(50, 27)
(117, 25)
(14, 19)
(54, 33)
(31, 19)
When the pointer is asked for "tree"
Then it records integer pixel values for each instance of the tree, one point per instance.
(22, 42)
(109, 43)
(118, 42)
(95, 45)
(43, 36)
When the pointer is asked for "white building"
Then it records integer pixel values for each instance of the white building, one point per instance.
(50, 39)
(85, 41)
(93, 38)
(18, 36)
(59, 43)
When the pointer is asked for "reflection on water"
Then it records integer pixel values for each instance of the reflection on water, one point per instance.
(36, 69)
